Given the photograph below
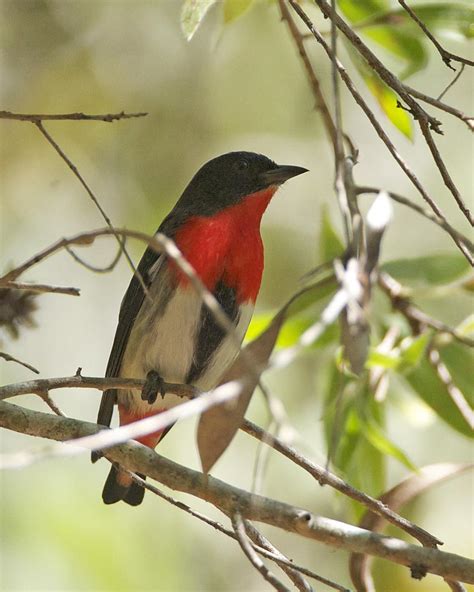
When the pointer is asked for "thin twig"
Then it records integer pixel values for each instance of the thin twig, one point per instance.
(34, 118)
(403, 304)
(9, 358)
(325, 477)
(40, 288)
(427, 214)
(258, 539)
(373, 120)
(252, 556)
(94, 268)
(321, 103)
(453, 82)
(444, 171)
(90, 193)
(51, 404)
(446, 56)
(468, 120)
(455, 394)
(275, 555)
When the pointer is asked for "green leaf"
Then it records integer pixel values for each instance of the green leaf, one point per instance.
(405, 46)
(388, 101)
(356, 10)
(451, 17)
(192, 13)
(383, 444)
(387, 361)
(413, 349)
(466, 327)
(330, 244)
(429, 387)
(459, 360)
(235, 8)
(430, 269)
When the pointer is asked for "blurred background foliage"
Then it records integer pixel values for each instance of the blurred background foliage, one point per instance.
(236, 84)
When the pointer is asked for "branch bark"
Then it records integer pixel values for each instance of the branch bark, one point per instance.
(137, 458)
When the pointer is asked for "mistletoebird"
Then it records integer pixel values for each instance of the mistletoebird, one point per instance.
(169, 334)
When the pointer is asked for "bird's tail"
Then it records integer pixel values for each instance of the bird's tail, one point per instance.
(119, 486)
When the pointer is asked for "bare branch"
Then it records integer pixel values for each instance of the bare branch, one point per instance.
(373, 120)
(444, 171)
(9, 358)
(414, 315)
(40, 288)
(34, 118)
(90, 193)
(321, 103)
(250, 553)
(138, 458)
(324, 477)
(453, 82)
(94, 268)
(468, 120)
(456, 395)
(442, 223)
(446, 56)
(275, 556)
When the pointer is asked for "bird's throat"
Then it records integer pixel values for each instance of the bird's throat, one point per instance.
(227, 246)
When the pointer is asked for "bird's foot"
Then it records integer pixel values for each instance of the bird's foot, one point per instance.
(154, 384)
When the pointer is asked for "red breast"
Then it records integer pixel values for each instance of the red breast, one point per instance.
(228, 245)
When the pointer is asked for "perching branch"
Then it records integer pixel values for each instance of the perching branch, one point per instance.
(137, 458)
(34, 118)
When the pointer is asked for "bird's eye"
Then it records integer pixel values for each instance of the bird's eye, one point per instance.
(242, 165)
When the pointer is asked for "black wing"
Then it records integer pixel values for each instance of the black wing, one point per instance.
(129, 310)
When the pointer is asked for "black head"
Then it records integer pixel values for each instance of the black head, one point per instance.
(227, 179)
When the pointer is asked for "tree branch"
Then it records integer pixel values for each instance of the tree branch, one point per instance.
(34, 118)
(137, 458)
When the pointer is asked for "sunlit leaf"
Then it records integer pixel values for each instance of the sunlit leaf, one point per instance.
(466, 327)
(235, 8)
(413, 349)
(192, 14)
(356, 10)
(291, 331)
(388, 101)
(330, 244)
(387, 361)
(430, 269)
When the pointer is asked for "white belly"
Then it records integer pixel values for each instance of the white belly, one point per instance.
(164, 341)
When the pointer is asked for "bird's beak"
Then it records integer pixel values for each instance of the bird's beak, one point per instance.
(281, 174)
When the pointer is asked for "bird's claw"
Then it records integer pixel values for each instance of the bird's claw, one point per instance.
(154, 384)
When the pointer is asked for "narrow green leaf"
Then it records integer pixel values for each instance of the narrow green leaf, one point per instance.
(383, 444)
(413, 349)
(388, 101)
(459, 360)
(387, 361)
(235, 8)
(428, 386)
(430, 269)
(356, 10)
(466, 327)
(403, 45)
(192, 13)
(330, 244)
(451, 17)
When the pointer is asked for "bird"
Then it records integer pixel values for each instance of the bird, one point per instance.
(166, 333)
